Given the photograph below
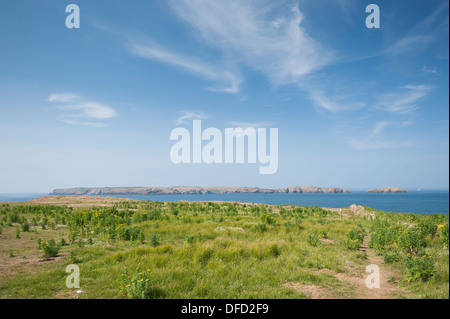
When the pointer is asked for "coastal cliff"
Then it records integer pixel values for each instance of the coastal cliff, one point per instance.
(182, 190)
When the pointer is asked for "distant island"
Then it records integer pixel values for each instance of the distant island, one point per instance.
(392, 190)
(184, 190)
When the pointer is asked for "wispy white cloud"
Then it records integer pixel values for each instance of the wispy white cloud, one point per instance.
(410, 43)
(380, 126)
(190, 115)
(79, 111)
(92, 110)
(375, 140)
(263, 36)
(323, 102)
(399, 107)
(423, 34)
(256, 34)
(63, 97)
(228, 81)
(405, 101)
(248, 35)
(429, 70)
(333, 104)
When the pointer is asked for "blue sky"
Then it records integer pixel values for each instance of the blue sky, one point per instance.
(355, 107)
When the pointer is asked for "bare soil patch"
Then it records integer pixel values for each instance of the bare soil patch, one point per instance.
(312, 291)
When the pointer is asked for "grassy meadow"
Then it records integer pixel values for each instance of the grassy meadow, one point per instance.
(145, 249)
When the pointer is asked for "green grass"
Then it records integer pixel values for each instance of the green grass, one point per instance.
(228, 256)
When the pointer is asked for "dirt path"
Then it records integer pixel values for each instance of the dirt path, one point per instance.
(389, 288)
(356, 281)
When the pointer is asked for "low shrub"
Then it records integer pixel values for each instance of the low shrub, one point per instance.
(261, 228)
(351, 244)
(50, 248)
(419, 268)
(411, 240)
(443, 234)
(154, 240)
(323, 234)
(391, 256)
(25, 226)
(136, 286)
(313, 240)
(353, 239)
(267, 218)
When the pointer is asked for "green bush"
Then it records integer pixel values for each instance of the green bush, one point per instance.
(355, 234)
(72, 258)
(13, 217)
(62, 242)
(25, 226)
(354, 239)
(267, 218)
(381, 238)
(44, 223)
(443, 234)
(428, 227)
(130, 233)
(411, 240)
(141, 237)
(261, 228)
(313, 240)
(136, 286)
(154, 240)
(419, 268)
(185, 219)
(391, 256)
(50, 248)
(72, 236)
(351, 244)
(323, 234)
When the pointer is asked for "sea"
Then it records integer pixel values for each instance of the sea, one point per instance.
(418, 202)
